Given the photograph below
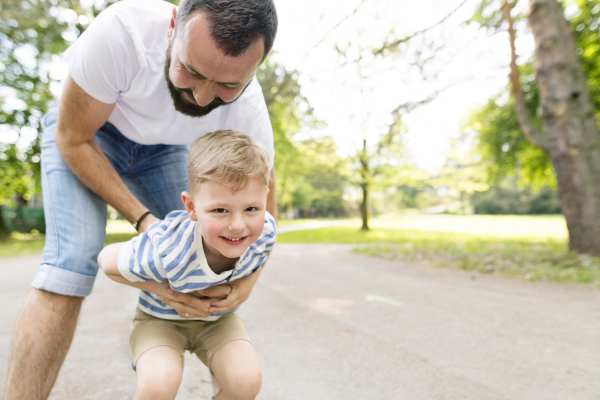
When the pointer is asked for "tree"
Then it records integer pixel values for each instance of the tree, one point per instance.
(289, 112)
(569, 133)
(504, 152)
(387, 164)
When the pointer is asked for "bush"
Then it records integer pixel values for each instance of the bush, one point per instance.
(516, 202)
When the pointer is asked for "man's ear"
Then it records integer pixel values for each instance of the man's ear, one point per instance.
(189, 205)
(171, 29)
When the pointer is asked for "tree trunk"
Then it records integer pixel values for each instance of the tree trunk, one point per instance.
(4, 234)
(571, 138)
(365, 176)
(364, 209)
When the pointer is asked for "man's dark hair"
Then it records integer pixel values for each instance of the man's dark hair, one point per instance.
(235, 24)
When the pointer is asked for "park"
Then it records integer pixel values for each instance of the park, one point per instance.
(434, 188)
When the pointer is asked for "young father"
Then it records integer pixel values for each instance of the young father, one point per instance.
(145, 80)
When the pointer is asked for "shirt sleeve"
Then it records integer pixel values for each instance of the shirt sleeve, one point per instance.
(103, 60)
(254, 118)
(139, 260)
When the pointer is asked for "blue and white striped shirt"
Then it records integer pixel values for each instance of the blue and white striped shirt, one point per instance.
(172, 250)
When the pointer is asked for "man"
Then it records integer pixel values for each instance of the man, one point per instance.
(145, 80)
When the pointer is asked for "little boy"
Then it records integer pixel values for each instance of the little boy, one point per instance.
(225, 233)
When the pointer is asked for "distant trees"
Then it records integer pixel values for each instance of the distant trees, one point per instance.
(310, 175)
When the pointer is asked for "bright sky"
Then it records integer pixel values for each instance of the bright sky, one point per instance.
(474, 66)
(471, 68)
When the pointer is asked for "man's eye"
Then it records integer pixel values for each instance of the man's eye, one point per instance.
(229, 87)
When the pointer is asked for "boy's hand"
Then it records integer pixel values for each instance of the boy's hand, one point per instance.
(240, 291)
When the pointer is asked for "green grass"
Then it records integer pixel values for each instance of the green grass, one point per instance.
(529, 247)
(21, 244)
(287, 222)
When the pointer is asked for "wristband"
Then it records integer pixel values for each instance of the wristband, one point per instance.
(137, 223)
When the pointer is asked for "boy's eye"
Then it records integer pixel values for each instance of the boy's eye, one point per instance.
(251, 209)
(220, 210)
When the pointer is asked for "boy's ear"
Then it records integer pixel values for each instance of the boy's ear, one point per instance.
(189, 205)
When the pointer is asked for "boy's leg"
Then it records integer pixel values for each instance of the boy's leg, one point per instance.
(159, 372)
(237, 372)
(224, 346)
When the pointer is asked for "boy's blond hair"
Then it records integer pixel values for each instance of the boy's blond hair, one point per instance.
(229, 158)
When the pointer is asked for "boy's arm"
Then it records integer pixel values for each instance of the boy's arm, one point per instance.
(108, 261)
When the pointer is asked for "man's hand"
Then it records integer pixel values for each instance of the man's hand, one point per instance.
(186, 305)
(190, 306)
(240, 291)
(214, 292)
(149, 220)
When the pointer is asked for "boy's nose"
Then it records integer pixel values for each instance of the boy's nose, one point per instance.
(237, 224)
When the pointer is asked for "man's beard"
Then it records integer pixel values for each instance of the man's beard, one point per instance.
(181, 103)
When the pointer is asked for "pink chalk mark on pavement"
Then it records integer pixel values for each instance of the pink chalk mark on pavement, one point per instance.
(332, 306)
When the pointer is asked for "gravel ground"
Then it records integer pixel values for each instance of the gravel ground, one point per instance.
(330, 324)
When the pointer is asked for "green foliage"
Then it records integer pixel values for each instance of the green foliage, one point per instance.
(504, 150)
(30, 33)
(587, 33)
(514, 201)
(310, 175)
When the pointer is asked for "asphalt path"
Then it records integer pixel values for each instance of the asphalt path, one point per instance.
(331, 324)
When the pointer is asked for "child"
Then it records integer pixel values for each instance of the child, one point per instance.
(225, 233)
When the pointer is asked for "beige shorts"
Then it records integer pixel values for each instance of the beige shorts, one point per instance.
(202, 338)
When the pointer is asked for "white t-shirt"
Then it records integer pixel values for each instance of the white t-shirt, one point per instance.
(120, 59)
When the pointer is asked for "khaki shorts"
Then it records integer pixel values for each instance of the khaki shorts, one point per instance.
(202, 338)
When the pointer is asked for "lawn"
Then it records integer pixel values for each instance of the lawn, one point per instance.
(530, 247)
(20, 244)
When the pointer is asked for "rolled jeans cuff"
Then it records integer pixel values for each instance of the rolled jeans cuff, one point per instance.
(63, 282)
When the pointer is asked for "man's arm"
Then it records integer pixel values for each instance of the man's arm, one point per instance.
(79, 118)
(271, 198)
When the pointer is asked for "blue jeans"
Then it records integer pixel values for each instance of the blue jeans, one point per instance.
(76, 217)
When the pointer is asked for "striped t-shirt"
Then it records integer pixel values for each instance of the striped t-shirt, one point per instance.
(172, 250)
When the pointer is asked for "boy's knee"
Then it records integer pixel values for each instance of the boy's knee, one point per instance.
(244, 386)
(158, 386)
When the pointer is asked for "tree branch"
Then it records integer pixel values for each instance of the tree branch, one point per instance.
(532, 135)
(397, 42)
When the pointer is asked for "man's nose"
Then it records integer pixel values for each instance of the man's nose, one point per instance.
(203, 93)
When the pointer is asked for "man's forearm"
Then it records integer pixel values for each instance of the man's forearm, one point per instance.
(87, 161)
(79, 118)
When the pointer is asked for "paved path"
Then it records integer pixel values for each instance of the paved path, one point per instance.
(330, 324)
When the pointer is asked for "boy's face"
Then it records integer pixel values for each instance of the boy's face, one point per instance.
(229, 221)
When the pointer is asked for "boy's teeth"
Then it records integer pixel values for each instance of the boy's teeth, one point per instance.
(234, 240)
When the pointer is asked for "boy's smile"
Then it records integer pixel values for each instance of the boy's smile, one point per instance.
(229, 221)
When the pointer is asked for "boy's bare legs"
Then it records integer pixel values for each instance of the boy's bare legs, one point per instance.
(40, 341)
(159, 372)
(236, 371)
